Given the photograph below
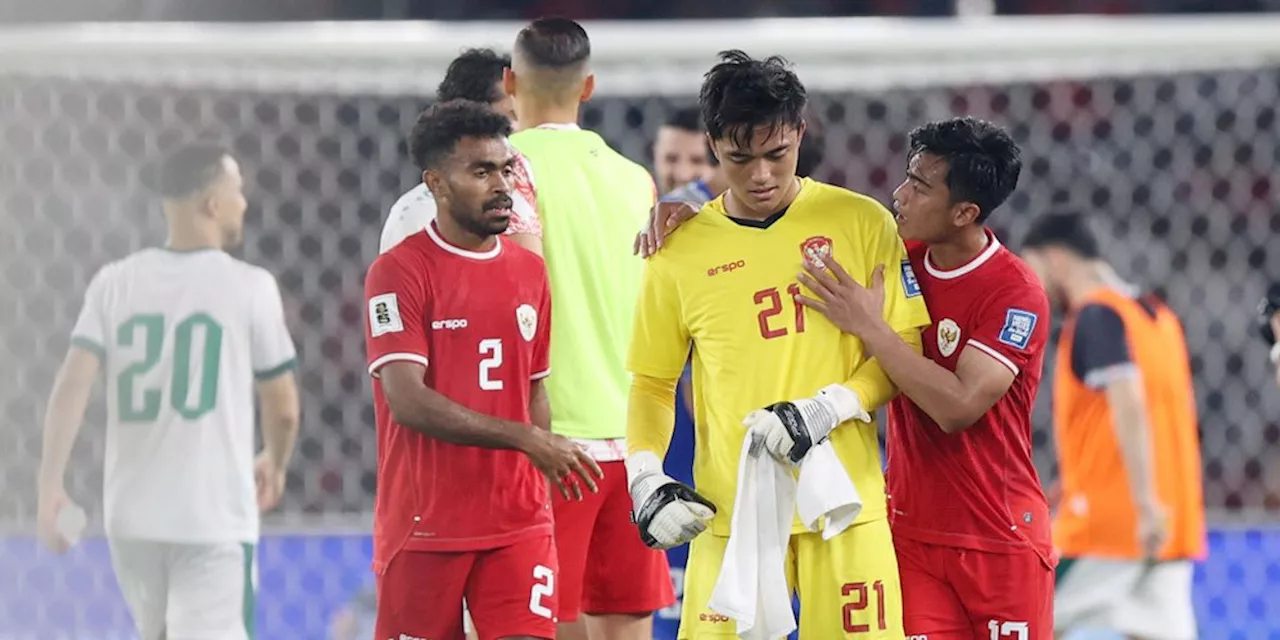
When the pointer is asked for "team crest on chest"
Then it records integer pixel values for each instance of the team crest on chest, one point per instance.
(948, 337)
(814, 249)
(527, 321)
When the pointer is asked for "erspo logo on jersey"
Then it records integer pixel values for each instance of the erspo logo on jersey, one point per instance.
(726, 268)
(449, 324)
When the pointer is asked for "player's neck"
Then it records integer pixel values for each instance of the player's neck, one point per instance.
(531, 114)
(453, 233)
(961, 250)
(191, 237)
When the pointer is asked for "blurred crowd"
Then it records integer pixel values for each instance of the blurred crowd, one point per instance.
(270, 10)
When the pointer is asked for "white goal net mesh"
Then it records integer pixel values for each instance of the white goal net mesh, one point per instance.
(1167, 134)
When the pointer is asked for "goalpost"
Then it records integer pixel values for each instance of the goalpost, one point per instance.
(1164, 128)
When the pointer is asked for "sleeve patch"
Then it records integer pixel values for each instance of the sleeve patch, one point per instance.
(911, 286)
(1019, 324)
(384, 315)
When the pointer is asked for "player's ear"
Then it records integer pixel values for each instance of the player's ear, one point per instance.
(435, 184)
(965, 213)
(588, 87)
(509, 82)
(711, 144)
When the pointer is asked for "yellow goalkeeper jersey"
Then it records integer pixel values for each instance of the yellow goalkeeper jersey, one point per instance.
(727, 289)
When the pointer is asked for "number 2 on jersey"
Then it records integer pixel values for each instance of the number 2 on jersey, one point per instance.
(491, 348)
(148, 329)
(773, 301)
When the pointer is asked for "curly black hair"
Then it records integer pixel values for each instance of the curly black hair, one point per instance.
(440, 128)
(983, 161)
(741, 94)
(474, 75)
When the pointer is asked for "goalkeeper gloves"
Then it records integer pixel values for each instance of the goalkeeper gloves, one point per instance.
(667, 512)
(788, 430)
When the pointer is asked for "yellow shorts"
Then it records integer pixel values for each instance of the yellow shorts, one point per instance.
(848, 586)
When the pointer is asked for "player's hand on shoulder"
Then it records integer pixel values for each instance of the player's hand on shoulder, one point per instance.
(564, 463)
(668, 513)
(663, 219)
(788, 430)
(269, 480)
(59, 521)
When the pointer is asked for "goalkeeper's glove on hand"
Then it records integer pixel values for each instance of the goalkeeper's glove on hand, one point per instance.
(788, 430)
(667, 512)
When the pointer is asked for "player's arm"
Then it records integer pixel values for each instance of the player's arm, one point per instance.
(668, 513)
(539, 400)
(790, 429)
(1100, 357)
(396, 341)
(64, 413)
(274, 361)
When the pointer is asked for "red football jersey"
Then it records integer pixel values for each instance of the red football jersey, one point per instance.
(979, 488)
(481, 324)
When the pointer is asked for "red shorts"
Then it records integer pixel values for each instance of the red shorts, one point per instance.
(949, 593)
(510, 591)
(604, 567)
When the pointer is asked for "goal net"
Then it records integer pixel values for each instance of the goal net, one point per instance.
(1163, 129)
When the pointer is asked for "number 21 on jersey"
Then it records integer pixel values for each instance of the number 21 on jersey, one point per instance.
(769, 302)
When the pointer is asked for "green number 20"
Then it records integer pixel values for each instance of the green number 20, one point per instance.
(149, 329)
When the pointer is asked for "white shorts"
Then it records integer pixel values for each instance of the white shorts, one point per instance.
(187, 591)
(1129, 597)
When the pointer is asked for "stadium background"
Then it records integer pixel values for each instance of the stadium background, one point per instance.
(1175, 154)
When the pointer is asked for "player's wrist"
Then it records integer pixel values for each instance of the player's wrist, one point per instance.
(843, 402)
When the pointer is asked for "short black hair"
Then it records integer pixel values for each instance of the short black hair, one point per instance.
(1069, 231)
(554, 43)
(814, 146)
(474, 75)
(685, 119)
(741, 94)
(983, 161)
(440, 128)
(188, 169)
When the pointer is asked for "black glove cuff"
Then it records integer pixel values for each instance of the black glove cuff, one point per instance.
(661, 497)
(793, 421)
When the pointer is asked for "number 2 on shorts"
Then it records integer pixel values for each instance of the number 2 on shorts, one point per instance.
(544, 586)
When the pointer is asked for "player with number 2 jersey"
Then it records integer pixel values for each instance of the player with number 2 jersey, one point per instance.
(458, 332)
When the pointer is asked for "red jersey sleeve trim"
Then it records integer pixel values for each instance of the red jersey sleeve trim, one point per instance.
(540, 375)
(995, 354)
(396, 357)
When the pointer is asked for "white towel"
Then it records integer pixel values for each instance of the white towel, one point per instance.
(752, 586)
(826, 490)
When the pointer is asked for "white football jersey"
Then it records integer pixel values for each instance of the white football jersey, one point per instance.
(182, 336)
(414, 210)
